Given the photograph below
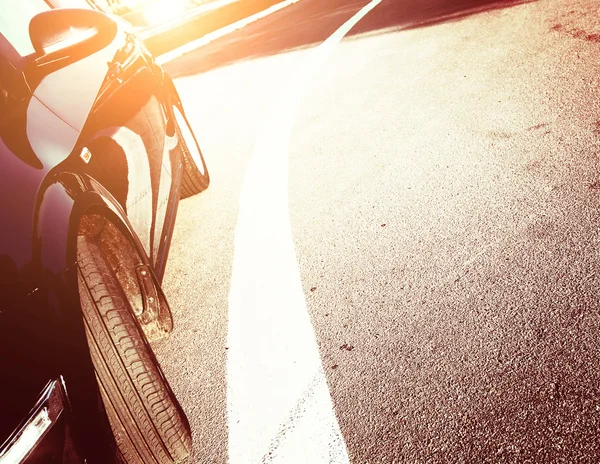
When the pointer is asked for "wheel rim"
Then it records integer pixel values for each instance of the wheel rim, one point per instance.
(189, 140)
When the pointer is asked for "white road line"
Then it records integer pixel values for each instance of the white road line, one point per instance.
(278, 403)
(208, 38)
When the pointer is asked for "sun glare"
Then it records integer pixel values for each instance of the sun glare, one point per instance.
(163, 10)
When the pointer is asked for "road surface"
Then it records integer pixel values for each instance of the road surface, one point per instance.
(397, 259)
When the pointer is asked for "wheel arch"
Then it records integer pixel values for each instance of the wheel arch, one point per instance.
(172, 95)
(170, 99)
(63, 204)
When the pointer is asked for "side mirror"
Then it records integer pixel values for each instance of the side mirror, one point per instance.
(70, 34)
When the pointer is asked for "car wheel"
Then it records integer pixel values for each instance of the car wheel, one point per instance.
(195, 177)
(148, 423)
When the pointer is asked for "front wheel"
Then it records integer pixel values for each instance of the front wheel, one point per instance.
(195, 175)
(148, 423)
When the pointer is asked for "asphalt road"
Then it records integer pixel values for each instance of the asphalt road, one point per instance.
(412, 214)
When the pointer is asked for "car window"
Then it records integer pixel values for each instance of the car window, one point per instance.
(14, 22)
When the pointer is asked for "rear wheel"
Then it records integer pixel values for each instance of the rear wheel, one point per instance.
(195, 177)
(148, 423)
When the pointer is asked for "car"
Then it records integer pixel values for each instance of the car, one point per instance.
(95, 153)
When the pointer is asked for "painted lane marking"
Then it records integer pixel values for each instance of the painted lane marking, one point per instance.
(208, 38)
(278, 403)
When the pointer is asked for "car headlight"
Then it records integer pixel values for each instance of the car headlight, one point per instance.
(44, 415)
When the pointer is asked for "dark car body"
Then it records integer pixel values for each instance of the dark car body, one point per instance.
(90, 134)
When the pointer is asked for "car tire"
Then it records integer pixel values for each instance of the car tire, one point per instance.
(146, 419)
(195, 177)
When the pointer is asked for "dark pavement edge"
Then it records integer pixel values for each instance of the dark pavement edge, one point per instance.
(196, 26)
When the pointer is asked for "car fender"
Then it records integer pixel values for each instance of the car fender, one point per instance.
(63, 201)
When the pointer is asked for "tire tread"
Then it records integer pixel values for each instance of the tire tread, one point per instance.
(147, 422)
